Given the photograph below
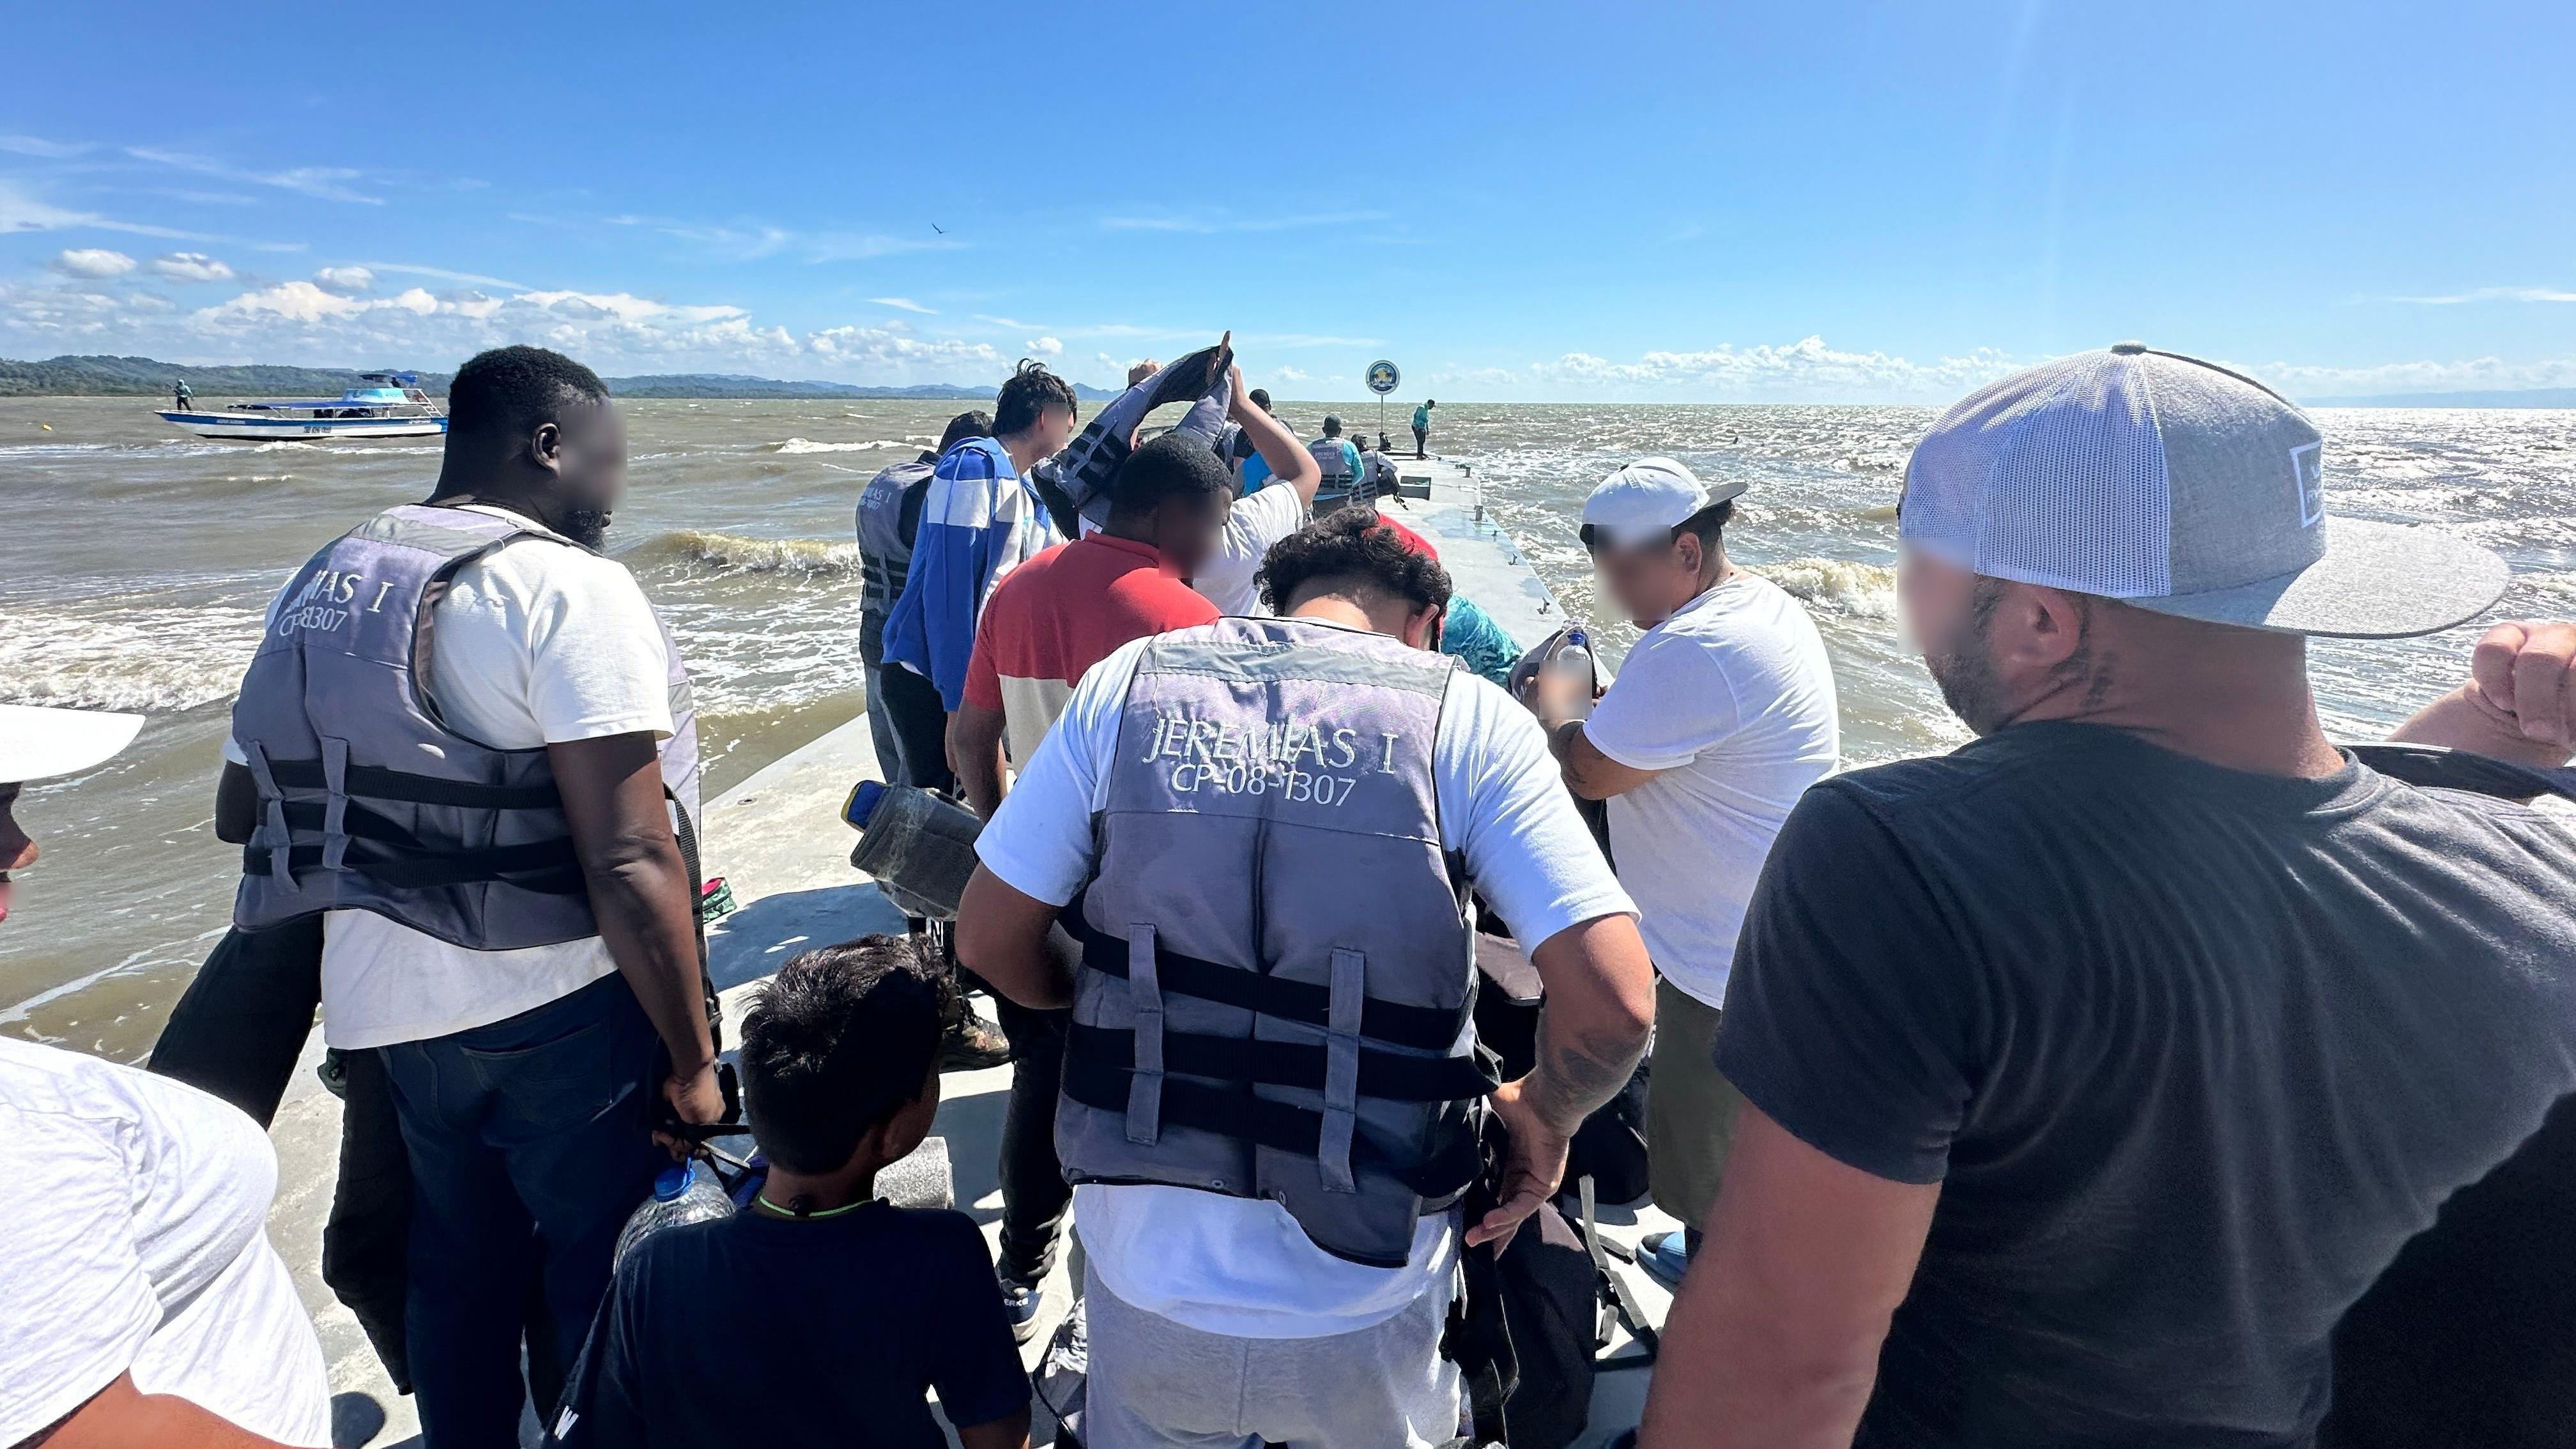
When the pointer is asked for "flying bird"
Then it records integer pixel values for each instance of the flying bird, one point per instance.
(943, 231)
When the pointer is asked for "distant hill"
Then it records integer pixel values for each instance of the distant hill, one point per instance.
(102, 376)
(2539, 397)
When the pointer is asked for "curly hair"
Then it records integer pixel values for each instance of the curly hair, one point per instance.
(1028, 392)
(1351, 544)
(507, 391)
(840, 1040)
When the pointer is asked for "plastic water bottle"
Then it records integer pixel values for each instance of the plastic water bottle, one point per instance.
(1572, 661)
(686, 1193)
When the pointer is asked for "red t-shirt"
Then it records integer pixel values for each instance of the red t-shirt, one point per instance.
(1059, 614)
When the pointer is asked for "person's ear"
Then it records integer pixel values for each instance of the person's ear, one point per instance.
(2035, 629)
(545, 447)
(1422, 629)
(1688, 554)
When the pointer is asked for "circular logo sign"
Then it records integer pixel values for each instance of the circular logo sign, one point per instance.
(1382, 377)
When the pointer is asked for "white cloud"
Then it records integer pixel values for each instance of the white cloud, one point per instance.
(1213, 222)
(409, 269)
(347, 279)
(191, 267)
(39, 146)
(324, 182)
(92, 262)
(904, 304)
(1045, 347)
(2494, 294)
(289, 301)
(2480, 374)
(1804, 371)
(1292, 374)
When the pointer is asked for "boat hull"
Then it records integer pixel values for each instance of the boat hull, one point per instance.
(242, 426)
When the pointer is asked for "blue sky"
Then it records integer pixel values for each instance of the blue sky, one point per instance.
(1864, 202)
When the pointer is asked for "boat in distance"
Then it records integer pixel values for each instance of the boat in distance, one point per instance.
(384, 405)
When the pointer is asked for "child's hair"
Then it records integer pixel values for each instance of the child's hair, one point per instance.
(840, 1040)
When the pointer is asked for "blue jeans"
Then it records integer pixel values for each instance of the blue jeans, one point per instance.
(530, 1143)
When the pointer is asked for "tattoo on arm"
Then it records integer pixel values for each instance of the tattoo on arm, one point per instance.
(1578, 1070)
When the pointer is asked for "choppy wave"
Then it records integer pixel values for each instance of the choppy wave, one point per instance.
(146, 660)
(795, 446)
(728, 551)
(1867, 591)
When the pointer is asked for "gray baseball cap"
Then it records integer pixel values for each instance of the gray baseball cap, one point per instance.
(2178, 486)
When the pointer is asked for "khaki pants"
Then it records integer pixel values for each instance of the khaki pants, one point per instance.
(1690, 1109)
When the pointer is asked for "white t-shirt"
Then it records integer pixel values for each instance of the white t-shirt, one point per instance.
(1255, 524)
(1733, 699)
(535, 644)
(1239, 1266)
(134, 1239)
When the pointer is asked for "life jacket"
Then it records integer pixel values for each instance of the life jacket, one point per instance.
(1277, 968)
(1335, 463)
(368, 800)
(885, 550)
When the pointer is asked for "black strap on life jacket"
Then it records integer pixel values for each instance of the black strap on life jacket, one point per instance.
(382, 848)
(1101, 1083)
(1383, 1075)
(1424, 1028)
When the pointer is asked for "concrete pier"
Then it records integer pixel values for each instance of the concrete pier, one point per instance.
(779, 839)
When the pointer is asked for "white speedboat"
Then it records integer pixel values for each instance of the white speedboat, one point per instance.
(385, 405)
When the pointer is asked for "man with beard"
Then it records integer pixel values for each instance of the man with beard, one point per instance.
(461, 743)
(2092, 1071)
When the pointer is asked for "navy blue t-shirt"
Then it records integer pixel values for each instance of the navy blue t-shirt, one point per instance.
(2192, 1053)
(824, 1331)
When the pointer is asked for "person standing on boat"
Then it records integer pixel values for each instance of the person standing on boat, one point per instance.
(2094, 1070)
(1229, 577)
(147, 1306)
(889, 520)
(980, 519)
(1339, 463)
(1721, 716)
(183, 400)
(1198, 817)
(489, 831)
(1422, 427)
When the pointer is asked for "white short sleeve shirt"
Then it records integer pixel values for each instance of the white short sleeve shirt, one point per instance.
(536, 644)
(134, 1240)
(1229, 579)
(1242, 1267)
(1732, 699)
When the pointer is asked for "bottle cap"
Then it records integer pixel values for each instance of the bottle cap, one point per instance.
(674, 1182)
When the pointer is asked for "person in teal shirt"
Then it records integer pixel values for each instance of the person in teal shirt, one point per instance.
(1422, 426)
(1471, 636)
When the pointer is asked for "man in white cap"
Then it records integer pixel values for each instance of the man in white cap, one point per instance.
(2094, 1070)
(1721, 716)
(146, 1306)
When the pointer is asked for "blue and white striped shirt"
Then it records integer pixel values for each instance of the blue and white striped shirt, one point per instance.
(979, 521)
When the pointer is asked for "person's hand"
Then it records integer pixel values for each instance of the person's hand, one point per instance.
(1236, 402)
(1531, 1171)
(696, 1100)
(1558, 695)
(2520, 676)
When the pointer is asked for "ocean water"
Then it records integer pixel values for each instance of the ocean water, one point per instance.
(135, 562)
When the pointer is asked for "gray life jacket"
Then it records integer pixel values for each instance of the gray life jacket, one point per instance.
(1336, 465)
(370, 801)
(885, 551)
(1277, 967)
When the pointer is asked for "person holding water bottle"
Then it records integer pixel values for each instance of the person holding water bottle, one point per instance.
(1720, 718)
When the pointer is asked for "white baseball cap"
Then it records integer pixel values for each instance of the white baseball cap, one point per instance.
(1643, 502)
(2178, 486)
(38, 742)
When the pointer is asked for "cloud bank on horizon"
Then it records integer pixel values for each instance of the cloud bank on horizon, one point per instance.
(1890, 210)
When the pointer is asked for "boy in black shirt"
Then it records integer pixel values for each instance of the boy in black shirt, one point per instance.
(821, 1314)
